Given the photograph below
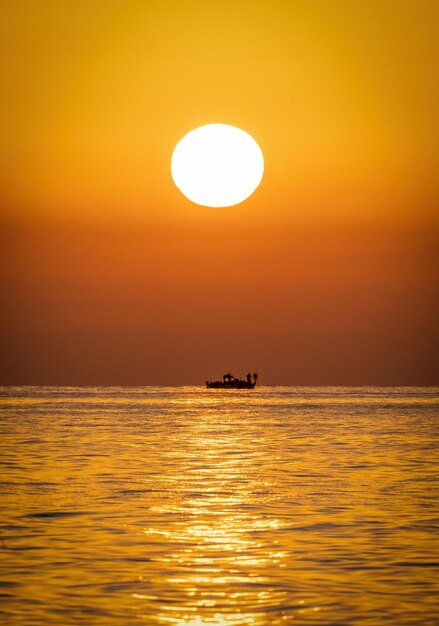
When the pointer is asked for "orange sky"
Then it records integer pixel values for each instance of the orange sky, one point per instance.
(326, 275)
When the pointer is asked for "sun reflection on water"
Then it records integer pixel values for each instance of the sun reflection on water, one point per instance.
(219, 536)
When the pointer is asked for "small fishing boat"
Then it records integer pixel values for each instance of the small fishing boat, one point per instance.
(230, 382)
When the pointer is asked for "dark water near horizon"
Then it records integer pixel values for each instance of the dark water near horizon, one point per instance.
(187, 506)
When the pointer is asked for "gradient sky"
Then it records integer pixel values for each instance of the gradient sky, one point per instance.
(326, 275)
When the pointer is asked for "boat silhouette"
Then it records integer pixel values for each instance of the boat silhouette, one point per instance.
(230, 382)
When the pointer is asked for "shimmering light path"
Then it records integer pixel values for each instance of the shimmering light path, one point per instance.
(183, 506)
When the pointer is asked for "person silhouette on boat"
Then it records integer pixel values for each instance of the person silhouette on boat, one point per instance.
(249, 378)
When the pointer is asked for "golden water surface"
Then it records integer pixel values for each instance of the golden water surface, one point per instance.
(187, 506)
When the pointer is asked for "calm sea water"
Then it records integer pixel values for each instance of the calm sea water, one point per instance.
(187, 506)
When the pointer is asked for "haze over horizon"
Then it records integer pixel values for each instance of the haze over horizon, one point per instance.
(327, 275)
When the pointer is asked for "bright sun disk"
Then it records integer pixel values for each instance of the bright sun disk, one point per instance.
(217, 165)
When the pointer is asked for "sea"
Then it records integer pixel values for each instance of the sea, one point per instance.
(169, 506)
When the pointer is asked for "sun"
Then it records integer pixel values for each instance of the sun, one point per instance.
(217, 165)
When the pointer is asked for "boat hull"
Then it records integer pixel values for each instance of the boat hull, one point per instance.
(235, 384)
